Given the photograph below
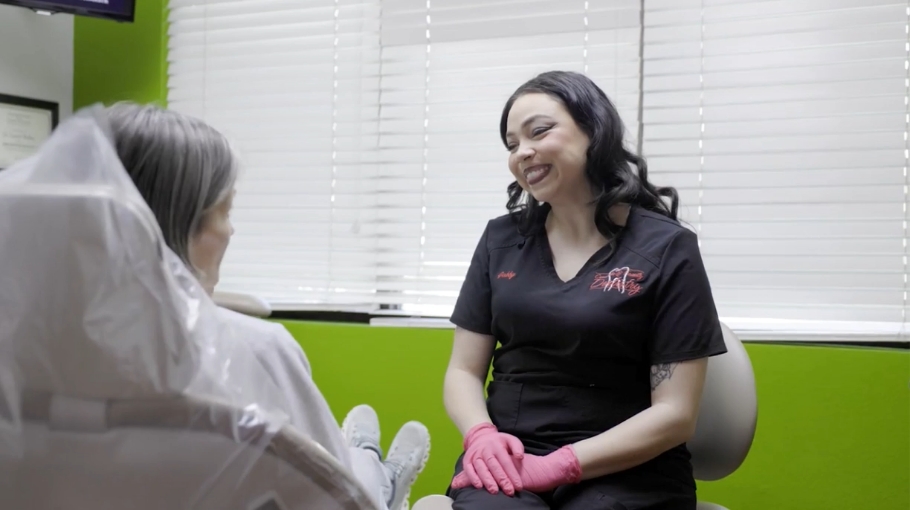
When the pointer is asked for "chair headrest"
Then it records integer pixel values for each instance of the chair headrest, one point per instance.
(94, 305)
(728, 413)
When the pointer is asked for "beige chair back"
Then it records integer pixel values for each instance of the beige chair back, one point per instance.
(728, 414)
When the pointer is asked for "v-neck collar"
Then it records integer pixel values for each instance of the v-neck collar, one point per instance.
(603, 254)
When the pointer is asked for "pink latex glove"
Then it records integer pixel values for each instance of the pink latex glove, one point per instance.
(490, 459)
(540, 474)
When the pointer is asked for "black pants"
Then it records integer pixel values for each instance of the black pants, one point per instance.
(548, 417)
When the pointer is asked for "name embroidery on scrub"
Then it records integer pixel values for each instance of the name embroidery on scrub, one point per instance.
(622, 279)
(507, 275)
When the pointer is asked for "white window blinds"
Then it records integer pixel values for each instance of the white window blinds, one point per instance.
(295, 85)
(447, 69)
(784, 126)
(369, 133)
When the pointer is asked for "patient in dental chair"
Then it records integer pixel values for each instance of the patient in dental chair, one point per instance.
(186, 170)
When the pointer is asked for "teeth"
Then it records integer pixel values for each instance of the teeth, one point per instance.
(533, 174)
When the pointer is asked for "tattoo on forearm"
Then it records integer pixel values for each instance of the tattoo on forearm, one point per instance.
(660, 373)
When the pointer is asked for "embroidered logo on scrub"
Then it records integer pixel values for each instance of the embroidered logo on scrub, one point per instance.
(507, 275)
(622, 279)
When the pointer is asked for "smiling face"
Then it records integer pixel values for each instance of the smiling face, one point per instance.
(547, 150)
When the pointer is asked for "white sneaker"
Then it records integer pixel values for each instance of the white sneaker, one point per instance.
(408, 456)
(361, 429)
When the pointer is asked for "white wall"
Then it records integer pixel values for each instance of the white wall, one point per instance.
(36, 56)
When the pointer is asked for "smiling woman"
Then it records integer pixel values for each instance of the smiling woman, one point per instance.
(568, 114)
(605, 322)
(547, 153)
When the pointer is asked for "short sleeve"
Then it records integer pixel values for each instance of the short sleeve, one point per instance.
(686, 325)
(473, 307)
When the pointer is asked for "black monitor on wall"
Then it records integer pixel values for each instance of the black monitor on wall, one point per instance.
(119, 10)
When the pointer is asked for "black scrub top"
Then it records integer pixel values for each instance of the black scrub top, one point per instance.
(591, 341)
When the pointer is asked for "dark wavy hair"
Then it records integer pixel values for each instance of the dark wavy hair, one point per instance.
(616, 175)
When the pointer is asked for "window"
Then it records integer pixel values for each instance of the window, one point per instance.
(447, 70)
(369, 132)
(295, 85)
(784, 126)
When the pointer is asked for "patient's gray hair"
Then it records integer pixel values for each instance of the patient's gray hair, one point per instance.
(182, 167)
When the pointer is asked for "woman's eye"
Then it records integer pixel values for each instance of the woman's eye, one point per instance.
(541, 130)
(511, 147)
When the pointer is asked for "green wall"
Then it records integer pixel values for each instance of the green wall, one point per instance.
(121, 61)
(833, 430)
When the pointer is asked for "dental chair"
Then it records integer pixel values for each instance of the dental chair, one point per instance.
(114, 376)
(726, 421)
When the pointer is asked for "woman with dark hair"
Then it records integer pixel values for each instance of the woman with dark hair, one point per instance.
(601, 306)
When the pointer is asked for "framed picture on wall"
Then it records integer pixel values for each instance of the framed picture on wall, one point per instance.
(25, 124)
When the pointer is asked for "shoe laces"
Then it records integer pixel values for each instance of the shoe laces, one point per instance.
(397, 468)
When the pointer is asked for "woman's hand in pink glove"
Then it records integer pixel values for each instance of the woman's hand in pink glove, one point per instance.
(490, 459)
(540, 474)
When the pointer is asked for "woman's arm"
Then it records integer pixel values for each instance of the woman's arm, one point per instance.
(685, 322)
(463, 387)
(670, 421)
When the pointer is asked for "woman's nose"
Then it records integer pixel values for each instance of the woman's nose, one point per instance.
(524, 151)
